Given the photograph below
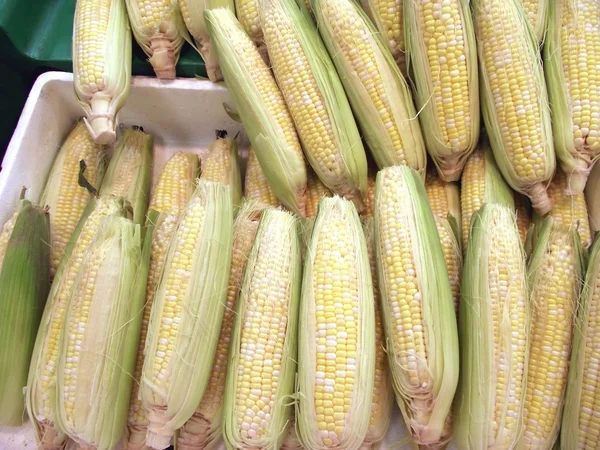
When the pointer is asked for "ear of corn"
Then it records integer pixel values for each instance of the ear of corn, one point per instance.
(129, 173)
(158, 28)
(99, 337)
(222, 165)
(256, 185)
(101, 64)
(494, 324)
(315, 191)
(442, 58)
(481, 183)
(262, 109)
(444, 199)
(537, 13)
(171, 194)
(316, 99)
(248, 13)
(580, 427)
(204, 429)
(193, 14)
(41, 382)
(262, 359)
(24, 285)
(383, 393)
(378, 94)
(187, 312)
(63, 195)
(417, 308)
(336, 361)
(514, 100)
(569, 210)
(592, 198)
(574, 85)
(387, 17)
(554, 275)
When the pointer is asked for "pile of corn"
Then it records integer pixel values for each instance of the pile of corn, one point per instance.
(292, 304)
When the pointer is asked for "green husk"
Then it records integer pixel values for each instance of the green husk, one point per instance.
(24, 284)
(476, 395)
(282, 165)
(47, 435)
(448, 160)
(102, 104)
(571, 427)
(203, 297)
(342, 213)
(400, 191)
(575, 160)
(277, 233)
(544, 258)
(534, 187)
(110, 336)
(346, 175)
(397, 92)
(592, 198)
(196, 25)
(129, 173)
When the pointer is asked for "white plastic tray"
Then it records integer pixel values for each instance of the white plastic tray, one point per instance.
(182, 115)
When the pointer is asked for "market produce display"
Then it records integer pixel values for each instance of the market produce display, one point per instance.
(376, 248)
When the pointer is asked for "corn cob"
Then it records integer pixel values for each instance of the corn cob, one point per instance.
(383, 393)
(193, 14)
(101, 64)
(248, 13)
(41, 383)
(63, 196)
(262, 109)
(204, 429)
(571, 55)
(187, 312)
(554, 275)
(256, 185)
(418, 314)
(494, 323)
(523, 216)
(315, 191)
(444, 199)
(100, 336)
(481, 183)
(592, 198)
(442, 57)
(159, 30)
(316, 100)
(378, 94)
(515, 104)
(370, 200)
(387, 17)
(223, 166)
(580, 428)
(336, 361)
(171, 194)
(129, 173)
(570, 210)
(261, 373)
(24, 284)
(537, 13)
